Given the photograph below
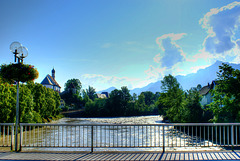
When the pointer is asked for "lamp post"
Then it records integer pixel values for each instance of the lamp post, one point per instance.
(19, 52)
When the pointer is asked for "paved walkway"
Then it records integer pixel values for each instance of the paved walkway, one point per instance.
(224, 155)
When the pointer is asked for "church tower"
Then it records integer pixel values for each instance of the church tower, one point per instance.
(53, 74)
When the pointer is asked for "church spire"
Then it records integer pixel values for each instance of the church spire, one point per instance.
(53, 73)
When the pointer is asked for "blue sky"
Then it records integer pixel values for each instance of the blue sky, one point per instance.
(106, 43)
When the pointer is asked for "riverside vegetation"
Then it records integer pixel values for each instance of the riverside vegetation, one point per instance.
(40, 104)
(37, 103)
(172, 102)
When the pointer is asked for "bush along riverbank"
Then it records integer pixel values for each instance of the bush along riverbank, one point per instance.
(37, 103)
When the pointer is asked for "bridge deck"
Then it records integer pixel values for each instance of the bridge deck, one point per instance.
(223, 155)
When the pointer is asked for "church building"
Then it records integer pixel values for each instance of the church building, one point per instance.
(50, 82)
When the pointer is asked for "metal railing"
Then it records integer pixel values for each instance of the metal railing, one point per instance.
(130, 136)
(7, 135)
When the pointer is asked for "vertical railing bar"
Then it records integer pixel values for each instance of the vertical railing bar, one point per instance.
(42, 136)
(126, 138)
(117, 135)
(188, 137)
(0, 132)
(105, 136)
(212, 136)
(71, 127)
(208, 136)
(8, 136)
(134, 135)
(220, 127)
(184, 134)
(155, 137)
(75, 136)
(228, 134)
(58, 132)
(62, 135)
(196, 136)
(232, 140)
(180, 136)
(79, 130)
(4, 135)
(172, 135)
(159, 136)
(224, 137)
(50, 130)
(163, 127)
(92, 139)
(113, 132)
(236, 134)
(30, 134)
(38, 136)
(146, 136)
(216, 135)
(192, 136)
(142, 137)
(12, 136)
(204, 131)
(200, 136)
(130, 135)
(109, 138)
(67, 136)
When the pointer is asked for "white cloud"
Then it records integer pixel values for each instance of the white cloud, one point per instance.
(221, 25)
(171, 53)
(104, 82)
(157, 58)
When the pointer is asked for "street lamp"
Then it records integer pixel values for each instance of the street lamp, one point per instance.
(19, 52)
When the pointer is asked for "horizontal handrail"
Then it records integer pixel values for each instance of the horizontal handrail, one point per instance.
(158, 124)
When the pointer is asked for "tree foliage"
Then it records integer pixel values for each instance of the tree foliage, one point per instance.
(91, 92)
(120, 103)
(77, 84)
(226, 95)
(72, 96)
(37, 103)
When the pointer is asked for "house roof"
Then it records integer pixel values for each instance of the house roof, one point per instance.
(207, 88)
(48, 80)
(204, 90)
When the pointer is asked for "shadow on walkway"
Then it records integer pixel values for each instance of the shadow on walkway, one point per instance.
(224, 155)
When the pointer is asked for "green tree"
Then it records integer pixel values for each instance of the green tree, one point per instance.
(77, 84)
(226, 95)
(171, 101)
(193, 109)
(91, 92)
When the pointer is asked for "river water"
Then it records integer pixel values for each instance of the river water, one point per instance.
(112, 136)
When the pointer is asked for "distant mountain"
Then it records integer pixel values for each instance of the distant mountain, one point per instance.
(109, 90)
(203, 77)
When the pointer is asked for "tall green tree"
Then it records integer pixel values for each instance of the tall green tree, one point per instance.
(171, 101)
(226, 95)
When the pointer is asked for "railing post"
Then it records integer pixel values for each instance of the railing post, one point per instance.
(12, 137)
(91, 139)
(232, 135)
(163, 138)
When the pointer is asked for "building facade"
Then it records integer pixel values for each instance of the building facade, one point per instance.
(50, 82)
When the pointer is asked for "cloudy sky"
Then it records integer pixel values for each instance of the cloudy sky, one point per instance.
(106, 43)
